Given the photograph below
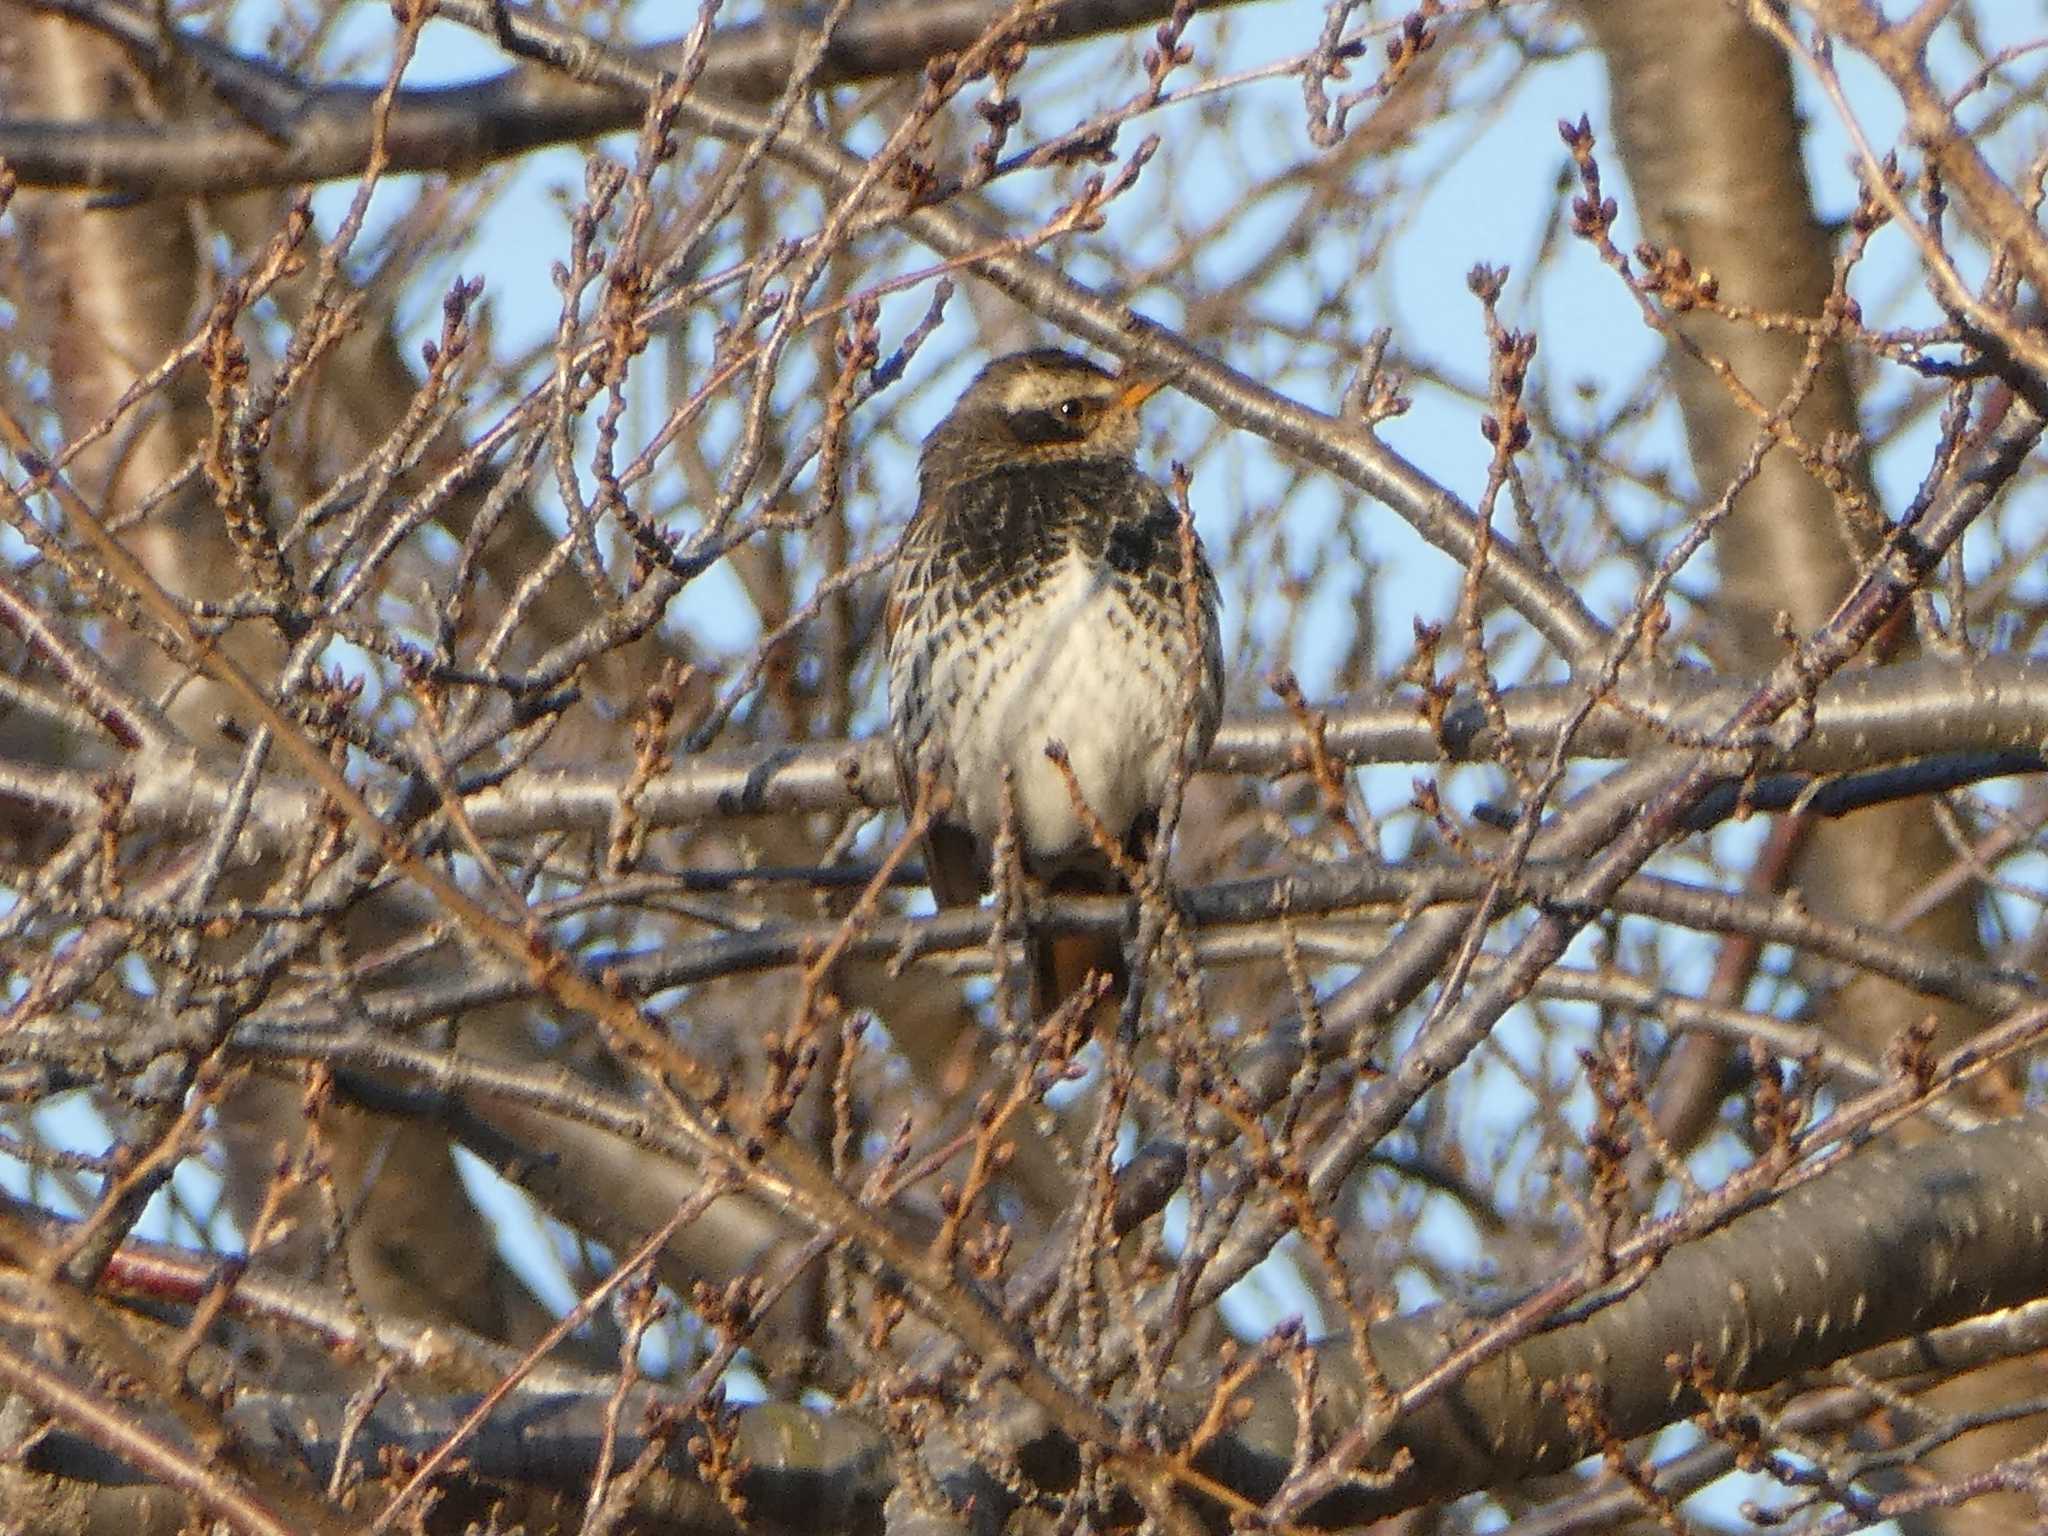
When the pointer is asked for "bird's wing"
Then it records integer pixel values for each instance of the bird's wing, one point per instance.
(953, 865)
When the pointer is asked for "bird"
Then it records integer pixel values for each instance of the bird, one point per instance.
(1039, 600)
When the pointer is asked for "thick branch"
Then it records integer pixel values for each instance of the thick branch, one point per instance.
(287, 131)
(1887, 1246)
(1863, 720)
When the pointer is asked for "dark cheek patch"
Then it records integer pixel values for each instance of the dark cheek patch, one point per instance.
(1040, 427)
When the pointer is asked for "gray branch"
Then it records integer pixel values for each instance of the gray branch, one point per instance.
(278, 130)
(1885, 1247)
(1864, 720)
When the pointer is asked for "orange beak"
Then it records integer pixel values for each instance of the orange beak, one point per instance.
(1138, 388)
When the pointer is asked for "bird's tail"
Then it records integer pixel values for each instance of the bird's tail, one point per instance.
(1063, 964)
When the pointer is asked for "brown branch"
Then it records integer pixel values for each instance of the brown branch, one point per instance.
(285, 131)
(1884, 1248)
(1898, 49)
(149, 1448)
(1340, 446)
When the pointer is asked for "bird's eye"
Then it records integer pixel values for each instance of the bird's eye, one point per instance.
(1073, 409)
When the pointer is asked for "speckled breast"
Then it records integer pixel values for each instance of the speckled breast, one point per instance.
(1071, 661)
(1037, 605)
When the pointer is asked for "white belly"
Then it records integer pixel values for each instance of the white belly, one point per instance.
(1071, 666)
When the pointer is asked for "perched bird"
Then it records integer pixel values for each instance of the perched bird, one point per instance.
(1038, 599)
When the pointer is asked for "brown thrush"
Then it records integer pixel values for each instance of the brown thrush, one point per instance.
(1038, 600)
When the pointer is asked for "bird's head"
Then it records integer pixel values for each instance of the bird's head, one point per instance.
(1043, 406)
